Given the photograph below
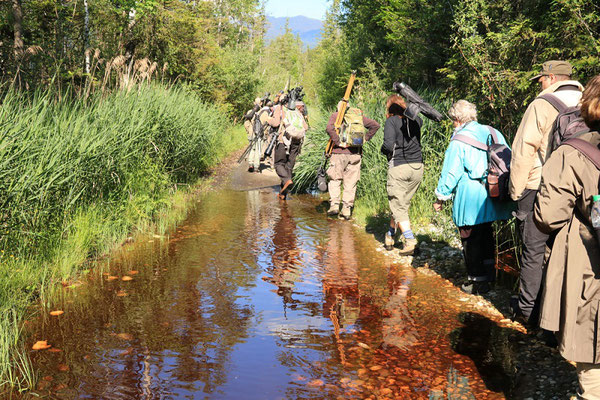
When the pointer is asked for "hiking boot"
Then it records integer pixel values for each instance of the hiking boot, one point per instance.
(472, 287)
(346, 213)
(389, 241)
(516, 314)
(334, 210)
(286, 187)
(410, 245)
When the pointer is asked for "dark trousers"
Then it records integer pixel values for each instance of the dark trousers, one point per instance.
(532, 255)
(479, 251)
(284, 161)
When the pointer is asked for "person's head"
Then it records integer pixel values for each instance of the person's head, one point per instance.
(395, 105)
(590, 104)
(462, 112)
(340, 104)
(257, 101)
(553, 71)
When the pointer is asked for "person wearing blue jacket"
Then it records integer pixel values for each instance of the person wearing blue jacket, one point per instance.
(463, 177)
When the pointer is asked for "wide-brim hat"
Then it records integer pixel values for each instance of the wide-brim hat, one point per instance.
(554, 67)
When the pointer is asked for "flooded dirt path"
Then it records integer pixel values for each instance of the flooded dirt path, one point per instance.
(254, 298)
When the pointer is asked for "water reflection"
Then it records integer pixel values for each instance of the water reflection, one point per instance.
(255, 299)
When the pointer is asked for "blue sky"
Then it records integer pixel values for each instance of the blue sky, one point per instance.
(291, 8)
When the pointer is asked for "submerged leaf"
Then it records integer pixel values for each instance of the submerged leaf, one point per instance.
(125, 336)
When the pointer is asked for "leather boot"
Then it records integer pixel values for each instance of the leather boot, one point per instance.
(410, 245)
(334, 209)
(346, 213)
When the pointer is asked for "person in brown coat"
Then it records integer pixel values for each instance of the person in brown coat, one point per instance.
(571, 298)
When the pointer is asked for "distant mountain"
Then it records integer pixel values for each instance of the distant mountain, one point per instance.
(309, 29)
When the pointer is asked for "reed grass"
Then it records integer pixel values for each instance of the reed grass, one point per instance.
(77, 175)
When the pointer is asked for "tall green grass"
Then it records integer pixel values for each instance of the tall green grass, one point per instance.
(76, 176)
(370, 96)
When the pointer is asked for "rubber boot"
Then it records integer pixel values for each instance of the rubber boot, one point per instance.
(410, 245)
(389, 241)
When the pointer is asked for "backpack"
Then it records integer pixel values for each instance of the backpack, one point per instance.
(567, 124)
(498, 157)
(293, 124)
(352, 132)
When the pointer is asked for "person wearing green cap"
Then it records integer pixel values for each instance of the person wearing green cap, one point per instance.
(529, 152)
(570, 303)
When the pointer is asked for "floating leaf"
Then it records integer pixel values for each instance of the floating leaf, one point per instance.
(112, 278)
(126, 278)
(41, 345)
(56, 313)
(133, 272)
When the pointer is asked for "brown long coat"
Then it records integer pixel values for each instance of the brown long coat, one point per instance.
(572, 285)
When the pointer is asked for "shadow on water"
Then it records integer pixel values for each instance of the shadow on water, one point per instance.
(491, 347)
(255, 298)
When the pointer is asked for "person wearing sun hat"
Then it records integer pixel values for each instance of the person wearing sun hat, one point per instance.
(529, 153)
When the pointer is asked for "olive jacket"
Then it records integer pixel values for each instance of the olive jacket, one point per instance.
(571, 297)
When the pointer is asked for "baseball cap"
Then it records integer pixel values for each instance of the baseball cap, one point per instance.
(556, 67)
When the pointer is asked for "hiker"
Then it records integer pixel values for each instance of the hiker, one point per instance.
(291, 125)
(255, 122)
(402, 147)
(569, 303)
(529, 150)
(463, 175)
(344, 165)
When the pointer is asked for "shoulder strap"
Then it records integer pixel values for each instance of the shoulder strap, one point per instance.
(555, 101)
(493, 133)
(470, 141)
(587, 149)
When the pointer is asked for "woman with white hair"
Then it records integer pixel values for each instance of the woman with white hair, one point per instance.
(464, 176)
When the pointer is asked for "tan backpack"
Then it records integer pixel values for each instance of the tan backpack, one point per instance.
(352, 132)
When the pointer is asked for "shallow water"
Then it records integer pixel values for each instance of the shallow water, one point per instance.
(253, 298)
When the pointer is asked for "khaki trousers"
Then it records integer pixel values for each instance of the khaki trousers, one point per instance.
(402, 183)
(589, 381)
(343, 168)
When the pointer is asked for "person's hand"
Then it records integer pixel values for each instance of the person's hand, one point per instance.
(438, 205)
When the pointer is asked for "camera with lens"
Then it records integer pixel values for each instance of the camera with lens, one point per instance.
(292, 97)
(415, 104)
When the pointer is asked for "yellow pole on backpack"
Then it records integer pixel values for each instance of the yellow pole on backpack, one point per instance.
(342, 111)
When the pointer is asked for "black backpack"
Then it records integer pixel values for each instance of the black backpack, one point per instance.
(567, 124)
(498, 156)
